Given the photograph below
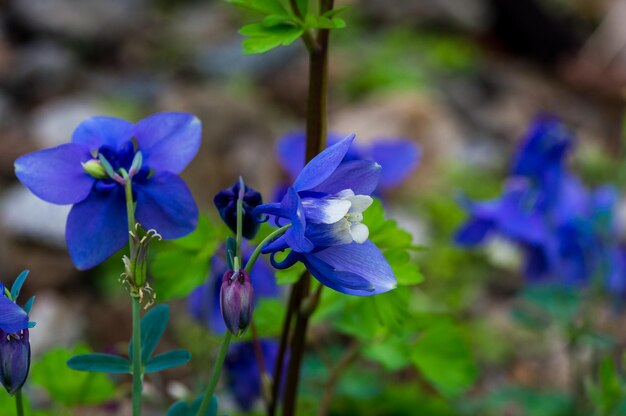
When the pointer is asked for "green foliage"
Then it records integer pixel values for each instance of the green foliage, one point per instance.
(607, 393)
(395, 243)
(153, 326)
(268, 316)
(443, 357)
(66, 386)
(99, 363)
(183, 408)
(181, 265)
(167, 360)
(521, 400)
(280, 25)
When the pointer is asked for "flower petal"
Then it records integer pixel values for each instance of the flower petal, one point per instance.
(12, 317)
(326, 235)
(473, 232)
(323, 165)
(294, 236)
(398, 159)
(56, 174)
(168, 141)
(361, 176)
(326, 210)
(164, 203)
(354, 269)
(97, 227)
(103, 131)
(290, 150)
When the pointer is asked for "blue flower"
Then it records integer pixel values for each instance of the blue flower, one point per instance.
(397, 157)
(242, 371)
(226, 203)
(204, 301)
(14, 337)
(88, 174)
(325, 208)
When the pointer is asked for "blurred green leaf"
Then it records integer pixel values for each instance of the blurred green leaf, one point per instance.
(67, 386)
(261, 38)
(290, 275)
(443, 357)
(260, 6)
(182, 408)
(167, 360)
(268, 316)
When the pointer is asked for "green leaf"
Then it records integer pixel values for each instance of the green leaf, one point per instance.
(66, 386)
(153, 326)
(17, 285)
(263, 38)
(260, 6)
(443, 356)
(181, 265)
(167, 360)
(268, 316)
(183, 408)
(96, 362)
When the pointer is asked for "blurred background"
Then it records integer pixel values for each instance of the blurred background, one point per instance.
(463, 80)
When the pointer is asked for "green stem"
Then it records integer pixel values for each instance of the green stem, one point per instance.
(130, 209)
(257, 250)
(240, 217)
(19, 403)
(215, 375)
(137, 367)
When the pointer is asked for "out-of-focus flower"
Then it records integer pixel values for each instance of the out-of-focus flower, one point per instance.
(14, 338)
(325, 208)
(398, 157)
(204, 301)
(226, 203)
(243, 375)
(90, 173)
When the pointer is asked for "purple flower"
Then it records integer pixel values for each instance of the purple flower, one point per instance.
(14, 337)
(226, 203)
(88, 174)
(243, 376)
(397, 157)
(236, 297)
(204, 302)
(325, 208)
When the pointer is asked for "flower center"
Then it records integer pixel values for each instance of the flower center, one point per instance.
(118, 165)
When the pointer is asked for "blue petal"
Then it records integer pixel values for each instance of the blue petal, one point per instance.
(398, 159)
(12, 317)
(295, 234)
(322, 165)
(290, 150)
(473, 232)
(326, 235)
(359, 175)
(56, 174)
(164, 203)
(97, 227)
(168, 141)
(103, 131)
(353, 269)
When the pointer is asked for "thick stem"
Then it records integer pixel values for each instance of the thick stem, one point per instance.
(137, 366)
(215, 374)
(316, 128)
(19, 403)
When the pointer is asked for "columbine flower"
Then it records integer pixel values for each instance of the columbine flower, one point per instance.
(226, 203)
(243, 376)
(398, 157)
(14, 337)
(90, 172)
(204, 301)
(324, 207)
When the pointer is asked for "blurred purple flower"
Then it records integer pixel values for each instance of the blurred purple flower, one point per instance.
(398, 157)
(75, 173)
(242, 371)
(325, 208)
(204, 301)
(226, 203)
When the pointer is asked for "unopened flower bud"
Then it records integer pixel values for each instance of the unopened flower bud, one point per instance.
(95, 169)
(226, 203)
(14, 359)
(236, 296)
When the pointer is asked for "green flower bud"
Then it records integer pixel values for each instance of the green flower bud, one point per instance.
(95, 169)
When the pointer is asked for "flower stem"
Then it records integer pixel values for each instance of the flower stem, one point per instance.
(137, 366)
(215, 374)
(240, 217)
(257, 250)
(130, 209)
(315, 142)
(19, 403)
